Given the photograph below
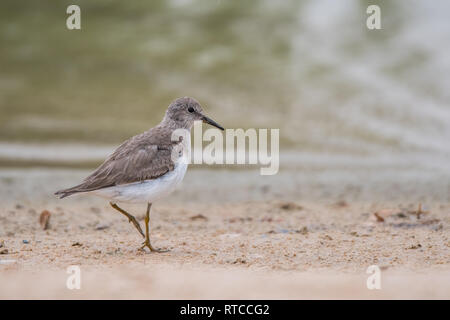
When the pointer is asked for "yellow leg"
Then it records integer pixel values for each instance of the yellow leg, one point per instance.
(147, 232)
(129, 216)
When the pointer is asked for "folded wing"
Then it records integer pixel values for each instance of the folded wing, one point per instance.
(135, 160)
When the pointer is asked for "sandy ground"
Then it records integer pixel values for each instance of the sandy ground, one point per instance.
(232, 234)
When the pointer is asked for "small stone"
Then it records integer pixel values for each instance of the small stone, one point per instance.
(381, 215)
(290, 206)
(101, 227)
(44, 219)
(4, 251)
(379, 218)
(239, 260)
(401, 215)
(76, 244)
(199, 217)
(26, 241)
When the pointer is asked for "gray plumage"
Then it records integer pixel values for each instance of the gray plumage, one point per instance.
(145, 156)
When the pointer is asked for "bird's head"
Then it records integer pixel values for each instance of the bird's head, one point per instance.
(184, 111)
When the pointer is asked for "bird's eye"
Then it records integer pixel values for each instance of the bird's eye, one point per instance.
(190, 109)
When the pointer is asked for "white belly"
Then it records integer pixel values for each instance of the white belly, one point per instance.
(148, 190)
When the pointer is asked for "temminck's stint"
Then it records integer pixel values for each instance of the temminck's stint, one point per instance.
(144, 169)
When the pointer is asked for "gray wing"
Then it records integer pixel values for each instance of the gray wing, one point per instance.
(133, 161)
(149, 162)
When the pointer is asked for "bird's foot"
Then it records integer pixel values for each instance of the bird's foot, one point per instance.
(151, 248)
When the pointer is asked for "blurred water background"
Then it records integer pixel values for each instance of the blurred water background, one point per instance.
(312, 68)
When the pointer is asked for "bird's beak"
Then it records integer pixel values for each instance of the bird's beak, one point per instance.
(210, 121)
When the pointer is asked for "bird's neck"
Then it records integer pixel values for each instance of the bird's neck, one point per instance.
(174, 124)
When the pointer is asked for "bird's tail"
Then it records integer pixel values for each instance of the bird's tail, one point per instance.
(68, 192)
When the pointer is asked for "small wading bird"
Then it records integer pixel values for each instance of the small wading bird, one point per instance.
(146, 167)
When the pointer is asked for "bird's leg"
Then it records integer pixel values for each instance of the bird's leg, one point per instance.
(147, 232)
(129, 216)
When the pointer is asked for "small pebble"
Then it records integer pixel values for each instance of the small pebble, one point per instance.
(199, 217)
(101, 227)
(290, 206)
(44, 219)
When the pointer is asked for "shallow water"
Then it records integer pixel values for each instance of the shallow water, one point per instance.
(310, 68)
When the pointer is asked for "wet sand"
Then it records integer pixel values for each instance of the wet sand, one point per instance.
(233, 234)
